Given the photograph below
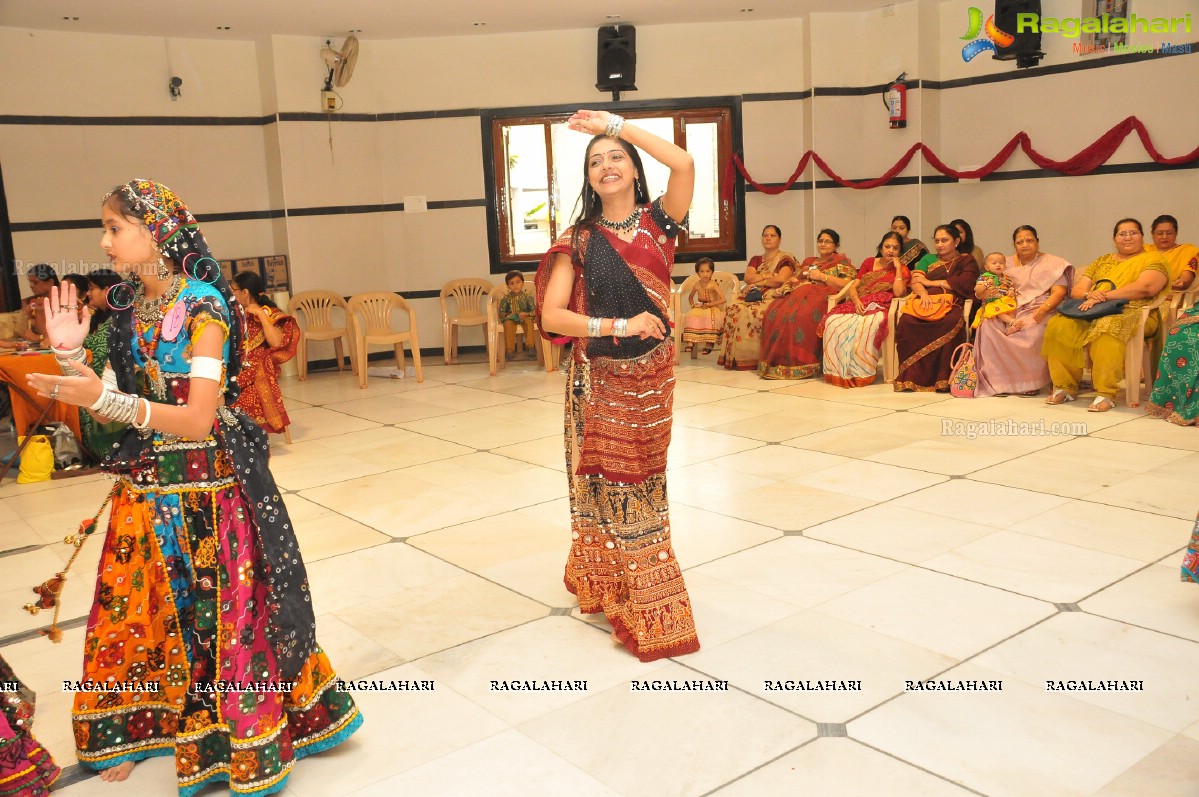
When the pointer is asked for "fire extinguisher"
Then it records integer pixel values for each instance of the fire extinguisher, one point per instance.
(896, 100)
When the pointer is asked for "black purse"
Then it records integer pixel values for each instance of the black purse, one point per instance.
(1071, 308)
(754, 294)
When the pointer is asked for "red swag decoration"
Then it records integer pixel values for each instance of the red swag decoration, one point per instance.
(1084, 162)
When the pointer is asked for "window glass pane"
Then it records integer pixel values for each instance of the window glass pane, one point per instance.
(705, 205)
(570, 149)
(528, 194)
(656, 174)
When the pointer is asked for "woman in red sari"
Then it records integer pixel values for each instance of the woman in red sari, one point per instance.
(271, 340)
(855, 329)
(606, 283)
(925, 346)
(790, 340)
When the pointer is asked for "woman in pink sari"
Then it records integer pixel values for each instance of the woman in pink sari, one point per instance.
(1008, 357)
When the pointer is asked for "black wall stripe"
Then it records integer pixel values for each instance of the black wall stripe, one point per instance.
(800, 185)
(819, 91)
(152, 121)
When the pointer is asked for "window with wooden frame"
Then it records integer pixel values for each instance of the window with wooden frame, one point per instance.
(536, 173)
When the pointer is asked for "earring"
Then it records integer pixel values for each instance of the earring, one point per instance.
(164, 271)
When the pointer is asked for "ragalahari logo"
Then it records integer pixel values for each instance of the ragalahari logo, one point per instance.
(995, 37)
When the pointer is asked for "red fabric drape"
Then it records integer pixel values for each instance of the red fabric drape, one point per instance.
(1085, 162)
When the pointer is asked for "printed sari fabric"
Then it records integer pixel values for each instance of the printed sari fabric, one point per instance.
(195, 610)
(98, 438)
(1190, 559)
(1176, 392)
(925, 348)
(1012, 363)
(26, 769)
(259, 378)
(619, 401)
(853, 341)
(790, 328)
(741, 338)
(911, 253)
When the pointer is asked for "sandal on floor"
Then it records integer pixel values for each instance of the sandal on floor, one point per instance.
(1059, 397)
(706, 351)
(1031, 393)
(1101, 404)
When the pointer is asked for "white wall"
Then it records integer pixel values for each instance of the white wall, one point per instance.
(56, 172)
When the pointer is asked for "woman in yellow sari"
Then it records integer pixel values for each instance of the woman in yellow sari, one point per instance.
(1137, 276)
(1183, 259)
(767, 277)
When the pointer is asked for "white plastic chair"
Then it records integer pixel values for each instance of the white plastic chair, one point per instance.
(370, 316)
(469, 297)
(316, 309)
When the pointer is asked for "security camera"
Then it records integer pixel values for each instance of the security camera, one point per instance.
(176, 83)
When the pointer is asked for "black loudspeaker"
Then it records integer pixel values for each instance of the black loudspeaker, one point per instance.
(616, 59)
(1026, 49)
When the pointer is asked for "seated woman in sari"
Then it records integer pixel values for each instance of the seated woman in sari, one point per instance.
(855, 329)
(790, 340)
(1176, 392)
(1137, 276)
(1008, 357)
(1183, 259)
(929, 331)
(272, 337)
(912, 249)
(98, 438)
(766, 277)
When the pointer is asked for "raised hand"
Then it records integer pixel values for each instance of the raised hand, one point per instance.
(65, 328)
(592, 122)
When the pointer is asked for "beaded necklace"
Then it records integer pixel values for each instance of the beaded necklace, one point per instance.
(147, 328)
(624, 225)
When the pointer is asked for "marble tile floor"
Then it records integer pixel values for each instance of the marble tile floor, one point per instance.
(863, 537)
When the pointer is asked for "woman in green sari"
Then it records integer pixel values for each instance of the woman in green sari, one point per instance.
(1137, 276)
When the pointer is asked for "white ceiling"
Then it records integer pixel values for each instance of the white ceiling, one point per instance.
(387, 19)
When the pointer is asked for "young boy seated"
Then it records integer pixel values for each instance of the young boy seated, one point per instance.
(516, 309)
(1003, 305)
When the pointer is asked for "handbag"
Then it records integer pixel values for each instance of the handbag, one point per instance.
(964, 378)
(942, 302)
(754, 294)
(37, 461)
(1072, 308)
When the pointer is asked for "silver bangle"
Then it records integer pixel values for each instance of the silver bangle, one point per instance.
(64, 358)
(145, 424)
(620, 327)
(593, 326)
(615, 125)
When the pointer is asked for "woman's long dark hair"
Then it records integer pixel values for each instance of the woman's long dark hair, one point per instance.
(44, 272)
(251, 282)
(952, 231)
(878, 252)
(589, 204)
(80, 283)
(102, 278)
(967, 236)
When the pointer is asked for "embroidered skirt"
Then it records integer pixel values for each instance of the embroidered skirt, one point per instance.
(621, 561)
(179, 621)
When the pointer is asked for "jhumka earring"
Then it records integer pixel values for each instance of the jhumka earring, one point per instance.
(164, 271)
